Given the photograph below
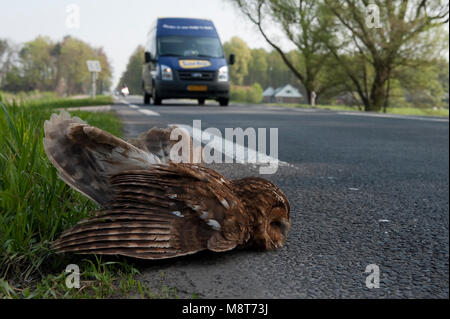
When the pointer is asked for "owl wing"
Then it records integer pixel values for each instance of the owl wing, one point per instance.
(86, 157)
(159, 141)
(166, 211)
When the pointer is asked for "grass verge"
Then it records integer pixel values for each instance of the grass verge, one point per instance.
(390, 110)
(70, 102)
(46, 100)
(35, 206)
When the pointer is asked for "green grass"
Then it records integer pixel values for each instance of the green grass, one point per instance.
(324, 107)
(50, 100)
(417, 111)
(36, 206)
(98, 279)
(8, 97)
(390, 110)
(71, 102)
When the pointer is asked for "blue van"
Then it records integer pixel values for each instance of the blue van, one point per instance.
(184, 58)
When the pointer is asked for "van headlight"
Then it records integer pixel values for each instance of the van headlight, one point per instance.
(223, 74)
(166, 72)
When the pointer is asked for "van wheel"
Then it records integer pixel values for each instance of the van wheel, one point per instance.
(156, 99)
(146, 98)
(223, 102)
(201, 101)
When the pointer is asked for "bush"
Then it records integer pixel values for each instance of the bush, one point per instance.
(246, 94)
(238, 94)
(254, 94)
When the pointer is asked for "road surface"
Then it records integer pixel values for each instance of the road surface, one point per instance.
(364, 190)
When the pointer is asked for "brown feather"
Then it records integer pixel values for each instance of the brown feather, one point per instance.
(158, 141)
(194, 194)
(156, 210)
(86, 156)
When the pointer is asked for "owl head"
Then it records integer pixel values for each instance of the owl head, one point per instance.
(269, 209)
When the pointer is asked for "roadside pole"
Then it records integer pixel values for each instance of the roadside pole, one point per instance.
(313, 98)
(94, 68)
(93, 84)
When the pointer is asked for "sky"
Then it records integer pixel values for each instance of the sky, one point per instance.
(117, 26)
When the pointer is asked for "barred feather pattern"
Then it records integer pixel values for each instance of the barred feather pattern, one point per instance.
(86, 157)
(158, 141)
(153, 208)
(167, 211)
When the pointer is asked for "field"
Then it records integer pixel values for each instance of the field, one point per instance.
(35, 206)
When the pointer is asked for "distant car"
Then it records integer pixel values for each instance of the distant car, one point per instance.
(184, 58)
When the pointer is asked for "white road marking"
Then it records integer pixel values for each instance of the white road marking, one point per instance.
(137, 108)
(221, 145)
(395, 116)
(300, 109)
(147, 112)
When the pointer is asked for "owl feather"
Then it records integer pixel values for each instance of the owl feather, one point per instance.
(153, 208)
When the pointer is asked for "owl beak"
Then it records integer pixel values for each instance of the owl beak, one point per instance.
(284, 227)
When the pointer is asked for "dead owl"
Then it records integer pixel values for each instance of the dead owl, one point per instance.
(153, 208)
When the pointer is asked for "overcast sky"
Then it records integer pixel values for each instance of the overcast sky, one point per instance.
(117, 26)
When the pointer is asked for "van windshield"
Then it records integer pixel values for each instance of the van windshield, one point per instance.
(206, 47)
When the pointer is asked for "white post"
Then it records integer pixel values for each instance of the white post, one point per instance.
(313, 99)
(93, 84)
(93, 67)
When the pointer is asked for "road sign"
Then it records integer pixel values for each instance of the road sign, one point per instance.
(93, 66)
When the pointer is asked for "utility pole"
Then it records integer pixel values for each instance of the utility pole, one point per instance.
(93, 84)
(93, 67)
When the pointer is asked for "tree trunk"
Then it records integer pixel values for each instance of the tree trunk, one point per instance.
(377, 97)
(308, 95)
(308, 84)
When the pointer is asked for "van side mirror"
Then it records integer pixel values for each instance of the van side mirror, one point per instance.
(148, 57)
(231, 59)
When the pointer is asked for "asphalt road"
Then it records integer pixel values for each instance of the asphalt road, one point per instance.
(363, 190)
